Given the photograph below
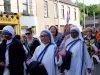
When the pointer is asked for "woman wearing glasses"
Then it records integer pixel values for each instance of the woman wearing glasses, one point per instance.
(45, 56)
(31, 43)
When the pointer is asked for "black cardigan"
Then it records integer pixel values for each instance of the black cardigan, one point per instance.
(16, 57)
(33, 46)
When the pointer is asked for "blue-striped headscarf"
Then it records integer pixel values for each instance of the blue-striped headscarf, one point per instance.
(50, 35)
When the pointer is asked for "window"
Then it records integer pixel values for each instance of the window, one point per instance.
(69, 10)
(25, 1)
(25, 7)
(74, 14)
(7, 5)
(45, 9)
(30, 7)
(23, 30)
(62, 11)
(55, 10)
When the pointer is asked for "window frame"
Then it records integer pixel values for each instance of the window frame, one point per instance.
(25, 11)
(55, 10)
(62, 12)
(45, 9)
(75, 17)
(7, 5)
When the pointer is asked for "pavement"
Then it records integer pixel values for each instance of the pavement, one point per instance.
(96, 72)
(97, 69)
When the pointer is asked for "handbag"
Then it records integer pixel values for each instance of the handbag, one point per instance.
(33, 67)
(67, 58)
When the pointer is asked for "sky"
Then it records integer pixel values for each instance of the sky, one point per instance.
(88, 2)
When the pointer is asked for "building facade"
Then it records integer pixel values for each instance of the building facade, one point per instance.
(56, 12)
(27, 9)
(44, 12)
(92, 21)
(68, 13)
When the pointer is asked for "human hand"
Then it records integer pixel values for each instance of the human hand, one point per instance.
(2, 64)
(40, 65)
(27, 62)
(89, 70)
(8, 66)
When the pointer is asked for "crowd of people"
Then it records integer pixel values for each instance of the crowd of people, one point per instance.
(69, 53)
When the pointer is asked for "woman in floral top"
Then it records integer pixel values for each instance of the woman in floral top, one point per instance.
(90, 40)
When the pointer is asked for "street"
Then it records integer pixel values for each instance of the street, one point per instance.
(97, 71)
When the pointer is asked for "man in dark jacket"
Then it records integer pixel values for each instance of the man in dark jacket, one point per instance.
(12, 54)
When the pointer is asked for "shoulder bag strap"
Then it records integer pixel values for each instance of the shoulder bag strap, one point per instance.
(82, 57)
(43, 52)
(73, 42)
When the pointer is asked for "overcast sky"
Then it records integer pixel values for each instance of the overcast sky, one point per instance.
(88, 2)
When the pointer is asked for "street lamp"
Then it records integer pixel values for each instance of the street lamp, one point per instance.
(94, 17)
(84, 12)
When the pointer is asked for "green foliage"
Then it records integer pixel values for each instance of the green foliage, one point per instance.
(88, 10)
(95, 8)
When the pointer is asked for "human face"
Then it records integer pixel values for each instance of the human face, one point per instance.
(89, 32)
(6, 37)
(23, 37)
(53, 31)
(98, 40)
(84, 33)
(94, 30)
(74, 35)
(44, 38)
(67, 28)
(28, 34)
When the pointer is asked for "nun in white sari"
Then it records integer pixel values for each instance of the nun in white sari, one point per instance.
(48, 60)
(11, 30)
(12, 53)
(80, 60)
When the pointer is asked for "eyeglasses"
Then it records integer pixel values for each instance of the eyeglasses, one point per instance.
(5, 35)
(28, 33)
(41, 36)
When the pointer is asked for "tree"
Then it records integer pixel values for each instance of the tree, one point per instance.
(88, 10)
(80, 5)
(93, 8)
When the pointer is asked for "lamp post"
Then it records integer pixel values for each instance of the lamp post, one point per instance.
(84, 12)
(94, 17)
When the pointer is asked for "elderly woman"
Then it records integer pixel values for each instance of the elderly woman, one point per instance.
(12, 54)
(80, 59)
(98, 30)
(45, 54)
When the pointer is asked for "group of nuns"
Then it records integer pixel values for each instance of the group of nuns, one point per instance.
(44, 60)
